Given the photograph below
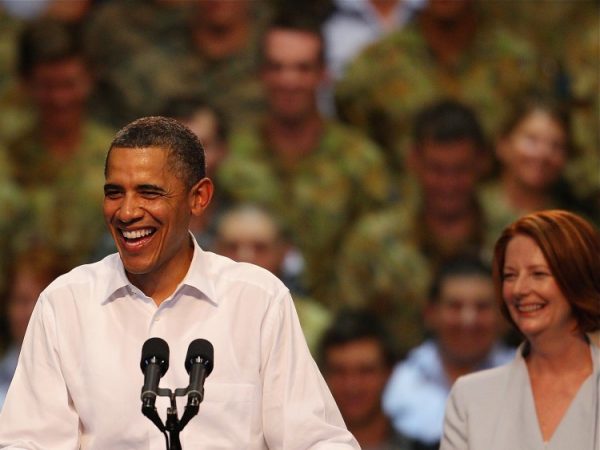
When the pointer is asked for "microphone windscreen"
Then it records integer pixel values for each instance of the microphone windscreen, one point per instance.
(200, 348)
(158, 348)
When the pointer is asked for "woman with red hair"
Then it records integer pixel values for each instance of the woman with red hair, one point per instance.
(547, 276)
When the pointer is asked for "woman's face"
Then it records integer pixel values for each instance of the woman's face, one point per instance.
(535, 152)
(534, 300)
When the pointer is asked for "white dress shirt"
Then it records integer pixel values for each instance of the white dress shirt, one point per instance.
(78, 381)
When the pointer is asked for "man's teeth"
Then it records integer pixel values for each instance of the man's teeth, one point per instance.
(529, 308)
(136, 234)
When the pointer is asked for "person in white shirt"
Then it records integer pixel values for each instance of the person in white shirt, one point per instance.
(78, 381)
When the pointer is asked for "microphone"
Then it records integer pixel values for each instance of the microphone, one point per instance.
(154, 364)
(199, 364)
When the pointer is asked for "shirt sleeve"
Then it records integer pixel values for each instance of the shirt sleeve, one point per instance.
(299, 412)
(454, 436)
(38, 412)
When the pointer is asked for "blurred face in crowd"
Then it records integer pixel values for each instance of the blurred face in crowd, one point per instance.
(204, 125)
(534, 154)
(356, 373)
(26, 288)
(219, 13)
(446, 10)
(448, 173)
(535, 302)
(251, 236)
(60, 89)
(292, 73)
(465, 318)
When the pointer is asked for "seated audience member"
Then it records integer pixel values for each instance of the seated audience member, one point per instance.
(533, 149)
(249, 233)
(352, 26)
(465, 326)
(17, 114)
(210, 125)
(388, 257)
(317, 175)
(13, 208)
(583, 65)
(356, 357)
(355, 24)
(167, 48)
(59, 161)
(30, 273)
(448, 50)
(546, 267)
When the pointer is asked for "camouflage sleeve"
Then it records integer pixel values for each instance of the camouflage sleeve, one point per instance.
(380, 270)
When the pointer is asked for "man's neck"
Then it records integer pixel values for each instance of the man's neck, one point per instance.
(454, 370)
(456, 227)
(373, 433)
(386, 12)
(293, 140)
(220, 42)
(161, 283)
(448, 39)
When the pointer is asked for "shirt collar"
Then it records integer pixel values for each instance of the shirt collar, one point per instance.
(198, 277)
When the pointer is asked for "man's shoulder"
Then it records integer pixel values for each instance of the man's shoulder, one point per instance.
(228, 273)
(90, 275)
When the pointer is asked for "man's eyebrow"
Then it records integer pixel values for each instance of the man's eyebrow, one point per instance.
(112, 187)
(149, 187)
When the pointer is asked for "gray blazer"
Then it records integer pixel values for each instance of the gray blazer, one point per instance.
(494, 410)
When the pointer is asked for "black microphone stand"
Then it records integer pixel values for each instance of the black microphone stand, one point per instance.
(173, 425)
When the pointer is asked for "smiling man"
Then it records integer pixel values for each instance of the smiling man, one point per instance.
(78, 381)
(316, 175)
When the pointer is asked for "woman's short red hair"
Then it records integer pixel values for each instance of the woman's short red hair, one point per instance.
(571, 247)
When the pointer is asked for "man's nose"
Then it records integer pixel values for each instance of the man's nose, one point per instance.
(130, 209)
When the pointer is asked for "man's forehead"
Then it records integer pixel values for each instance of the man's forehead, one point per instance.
(147, 165)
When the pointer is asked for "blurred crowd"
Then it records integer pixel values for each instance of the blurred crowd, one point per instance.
(368, 152)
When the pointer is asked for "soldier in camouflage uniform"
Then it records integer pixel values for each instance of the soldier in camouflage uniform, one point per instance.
(583, 67)
(447, 51)
(387, 260)
(545, 24)
(15, 111)
(249, 233)
(59, 162)
(12, 207)
(146, 52)
(317, 175)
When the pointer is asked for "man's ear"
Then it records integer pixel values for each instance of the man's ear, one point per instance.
(200, 195)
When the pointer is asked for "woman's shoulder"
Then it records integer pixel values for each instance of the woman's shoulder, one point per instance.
(484, 382)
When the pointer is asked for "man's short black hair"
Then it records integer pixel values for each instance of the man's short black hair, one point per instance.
(47, 41)
(294, 20)
(448, 121)
(465, 265)
(185, 107)
(185, 151)
(351, 325)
